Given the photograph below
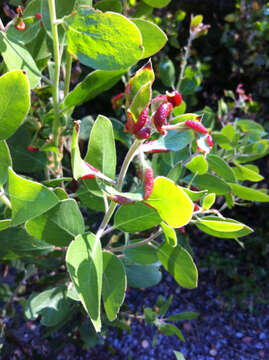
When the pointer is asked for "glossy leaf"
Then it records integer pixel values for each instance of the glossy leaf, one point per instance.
(198, 165)
(17, 241)
(105, 41)
(143, 255)
(221, 168)
(170, 329)
(211, 183)
(90, 200)
(202, 225)
(179, 355)
(142, 276)
(14, 101)
(194, 195)
(171, 202)
(170, 234)
(183, 316)
(101, 148)
(250, 125)
(208, 201)
(157, 3)
(94, 84)
(136, 217)
(59, 225)
(219, 225)
(85, 264)
(28, 198)
(109, 5)
(52, 304)
(114, 285)
(141, 100)
(16, 57)
(249, 194)
(142, 77)
(153, 37)
(173, 141)
(5, 162)
(4, 224)
(245, 173)
(179, 263)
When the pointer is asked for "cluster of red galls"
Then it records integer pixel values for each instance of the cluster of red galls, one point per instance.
(142, 129)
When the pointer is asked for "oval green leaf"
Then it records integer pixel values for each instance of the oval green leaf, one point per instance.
(221, 168)
(142, 276)
(114, 285)
(105, 41)
(153, 37)
(136, 217)
(211, 183)
(198, 165)
(14, 102)
(28, 198)
(179, 263)
(59, 225)
(84, 261)
(143, 255)
(171, 202)
(170, 234)
(94, 84)
(249, 194)
(157, 3)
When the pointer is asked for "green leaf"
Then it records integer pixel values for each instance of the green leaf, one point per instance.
(4, 224)
(208, 201)
(173, 141)
(136, 218)
(170, 234)
(52, 304)
(16, 57)
(219, 225)
(101, 148)
(171, 202)
(28, 198)
(198, 165)
(179, 355)
(221, 168)
(90, 200)
(249, 194)
(169, 329)
(59, 225)
(32, 29)
(109, 5)
(167, 72)
(221, 140)
(17, 241)
(211, 183)
(202, 225)
(114, 285)
(196, 20)
(143, 255)
(85, 264)
(78, 165)
(179, 263)
(194, 195)
(5, 161)
(141, 101)
(250, 125)
(105, 41)
(94, 84)
(22, 159)
(14, 102)
(153, 37)
(157, 3)
(142, 276)
(184, 316)
(56, 182)
(245, 173)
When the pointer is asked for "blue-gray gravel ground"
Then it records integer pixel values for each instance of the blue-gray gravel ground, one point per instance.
(219, 333)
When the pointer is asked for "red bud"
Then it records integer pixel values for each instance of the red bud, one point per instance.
(32, 148)
(196, 126)
(20, 26)
(209, 140)
(143, 133)
(174, 98)
(141, 121)
(148, 182)
(38, 16)
(115, 101)
(196, 207)
(120, 199)
(161, 114)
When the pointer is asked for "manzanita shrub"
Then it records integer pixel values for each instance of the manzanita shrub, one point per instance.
(93, 224)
